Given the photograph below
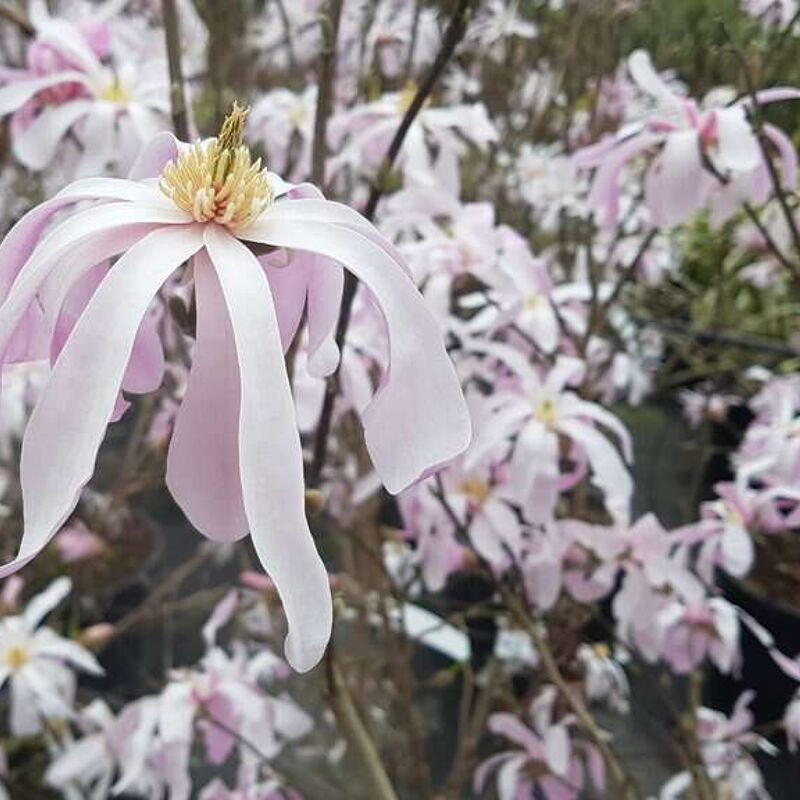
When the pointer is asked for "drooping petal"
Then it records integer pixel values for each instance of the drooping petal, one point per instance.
(737, 146)
(67, 425)
(676, 186)
(13, 95)
(418, 418)
(270, 455)
(203, 473)
(58, 243)
(37, 146)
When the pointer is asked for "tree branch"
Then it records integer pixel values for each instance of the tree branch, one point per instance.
(177, 94)
(452, 36)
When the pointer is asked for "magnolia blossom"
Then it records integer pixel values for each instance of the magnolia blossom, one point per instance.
(725, 747)
(536, 414)
(282, 121)
(791, 722)
(605, 680)
(111, 746)
(698, 628)
(703, 155)
(778, 13)
(38, 664)
(365, 131)
(235, 461)
(546, 757)
(66, 90)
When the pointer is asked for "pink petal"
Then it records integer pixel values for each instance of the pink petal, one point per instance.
(418, 418)
(68, 423)
(271, 459)
(36, 147)
(203, 461)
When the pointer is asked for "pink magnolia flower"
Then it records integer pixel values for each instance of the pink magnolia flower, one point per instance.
(68, 90)
(696, 628)
(364, 133)
(38, 664)
(686, 140)
(235, 460)
(726, 744)
(283, 122)
(111, 747)
(438, 551)
(540, 411)
(724, 532)
(482, 506)
(546, 757)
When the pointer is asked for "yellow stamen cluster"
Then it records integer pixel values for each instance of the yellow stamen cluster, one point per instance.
(547, 412)
(476, 491)
(216, 180)
(115, 92)
(16, 658)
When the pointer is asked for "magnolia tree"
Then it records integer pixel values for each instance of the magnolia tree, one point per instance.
(465, 332)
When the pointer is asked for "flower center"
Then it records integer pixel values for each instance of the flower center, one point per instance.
(217, 181)
(115, 92)
(16, 658)
(476, 491)
(547, 412)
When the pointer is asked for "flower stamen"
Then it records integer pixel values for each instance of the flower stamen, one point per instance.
(217, 181)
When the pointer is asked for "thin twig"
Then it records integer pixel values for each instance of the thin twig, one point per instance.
(18, 18)
(327, 78)
(758, 124)
(177, 94)
(627, 788)
(452, 36)
(360, 740)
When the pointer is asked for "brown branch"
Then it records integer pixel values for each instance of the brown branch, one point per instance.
(177, 94)
(627, 788)
(327, 78)
(356, 733)
(18, 18)
(452, 36)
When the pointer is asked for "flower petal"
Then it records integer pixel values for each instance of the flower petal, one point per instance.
(58, 458)
(271, 459)
(203, 472)
(418, 418)
(38, 144)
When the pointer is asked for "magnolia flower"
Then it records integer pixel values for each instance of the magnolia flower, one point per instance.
(111, 746)
(773, 13)
(235, 461)
(540, 411)
(37, 663)
(67, 90)
(546, 758)
(366, 130)
(700, 153)
(698, 628)
(283, 122)
(725, 747)
(605, 680)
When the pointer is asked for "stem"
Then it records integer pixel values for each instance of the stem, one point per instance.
(18, 18)
(177, 95)
(327, 76)
(360, 741)
(452, 36)
(700, 778)
(627, 788)
(758, 124)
